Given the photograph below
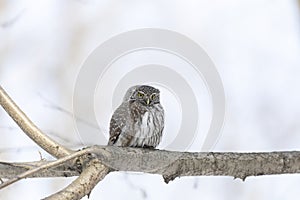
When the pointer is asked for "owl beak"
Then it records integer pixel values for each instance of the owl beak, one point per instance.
(148, 101)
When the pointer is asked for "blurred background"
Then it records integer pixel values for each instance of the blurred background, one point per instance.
(255, 45)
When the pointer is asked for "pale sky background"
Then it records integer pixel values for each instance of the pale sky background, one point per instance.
(255, 45)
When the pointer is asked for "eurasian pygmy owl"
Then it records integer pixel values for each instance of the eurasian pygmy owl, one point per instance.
(139, 120)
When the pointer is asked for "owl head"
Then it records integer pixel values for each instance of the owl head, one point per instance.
(144, 94)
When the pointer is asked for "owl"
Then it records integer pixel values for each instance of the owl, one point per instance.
(139, 120)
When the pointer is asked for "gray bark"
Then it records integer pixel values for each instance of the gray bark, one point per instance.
(172, 164)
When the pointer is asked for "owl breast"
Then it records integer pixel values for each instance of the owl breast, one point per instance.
(148, 126)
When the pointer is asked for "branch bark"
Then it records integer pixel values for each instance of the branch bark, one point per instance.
(84, 184)
(12, 170)
(171, 164)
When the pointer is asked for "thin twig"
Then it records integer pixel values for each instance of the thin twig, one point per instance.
(12, 170)
(45, 166)
(54, 106)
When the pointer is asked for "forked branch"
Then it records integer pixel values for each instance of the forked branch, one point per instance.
(89, 177)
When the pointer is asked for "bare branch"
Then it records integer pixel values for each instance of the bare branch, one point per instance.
(32, 171)
(84, 184)
(30, 129)
(89, 176)
(80, 187)
(103, 159)
(12, 170)
(173, 164)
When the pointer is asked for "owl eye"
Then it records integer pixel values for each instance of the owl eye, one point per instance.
(153, 96)
(140, 95)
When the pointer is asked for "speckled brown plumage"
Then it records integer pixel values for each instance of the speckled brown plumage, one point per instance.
(139, 120)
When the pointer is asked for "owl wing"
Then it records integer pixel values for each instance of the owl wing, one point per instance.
(117, 123)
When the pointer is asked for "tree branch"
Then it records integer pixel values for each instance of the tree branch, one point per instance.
(171, 164)
(83, 185)
(32, 171)
(52, 147)
(97, 161)
(12, 170)
(30, 128)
